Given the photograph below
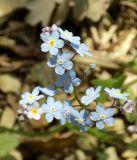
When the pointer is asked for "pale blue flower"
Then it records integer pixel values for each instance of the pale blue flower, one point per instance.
(51, 42)
(81, 119)
(29, 98)
(81, 49)
(116, 93)
(61, 62)
(53, 109)
(68, 80)
(50, 91)
(102, 116)
(91, 95)
(67, 112)
(68, 36)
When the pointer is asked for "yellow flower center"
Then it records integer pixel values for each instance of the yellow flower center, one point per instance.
(60, 61)
(34, 110)
(118, 92)
(52, 42)
(30, 97)
(102, 116)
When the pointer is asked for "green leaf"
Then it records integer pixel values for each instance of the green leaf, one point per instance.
(113, 82)
(133, 64)
(7, 143)
(130, 118)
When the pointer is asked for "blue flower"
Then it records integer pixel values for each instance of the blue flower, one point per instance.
(61, 62)
(50, 91)
(29, 98)
(67, 112)
(68, 36)
(91, 95)
(81, 119)
(51, 42)
(102, 116)
(52, 109)
(81, 49)
(116, 93)
(68, 80)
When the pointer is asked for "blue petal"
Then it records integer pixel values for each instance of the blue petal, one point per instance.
(49, 117)
(94, 116)
(100, 124)
(109, 121)
(59, 82)
(45, 36)
(45, 108)
(66, 56)
(63, 120)
(52, 62)
(55, 35)
(76, 81)
(58, 115)
(59, 70)
(58, 105)
(53, 50)
(45, 47)
(86, 100)
(109, 112)
(84, 113)
(60, 43)
(68, 65)
(35, 91)
(90, 91)
(100, 110)
(68, 88)
(50, 101)
(72, 74)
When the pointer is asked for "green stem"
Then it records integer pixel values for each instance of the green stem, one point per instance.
(32, 133)
(76, 96)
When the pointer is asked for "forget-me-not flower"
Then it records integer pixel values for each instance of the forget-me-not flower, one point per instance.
(51, 42)
(67, 112)
(116, 93)
(29, 98)
(68, 36)
(102, 116)
(34, 111)
(61, 62)
(53, 109)
(91, 95)
(68, 80)
(81, 119)
(81, 49)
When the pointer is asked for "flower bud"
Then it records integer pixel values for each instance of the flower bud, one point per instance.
(129, 106)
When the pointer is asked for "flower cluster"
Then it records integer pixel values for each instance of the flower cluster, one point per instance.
(55, 41)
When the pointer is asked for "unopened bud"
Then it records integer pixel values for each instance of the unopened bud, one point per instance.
(129, 106)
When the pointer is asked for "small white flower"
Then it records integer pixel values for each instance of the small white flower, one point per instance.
(116, 93)
(34, 111)
(29, 98)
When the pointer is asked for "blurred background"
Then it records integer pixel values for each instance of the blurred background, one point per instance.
(109, 28)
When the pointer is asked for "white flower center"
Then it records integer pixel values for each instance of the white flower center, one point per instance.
(60, 61)
(52, 109)
(102, 116)
(68, 113)
(80, 121)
